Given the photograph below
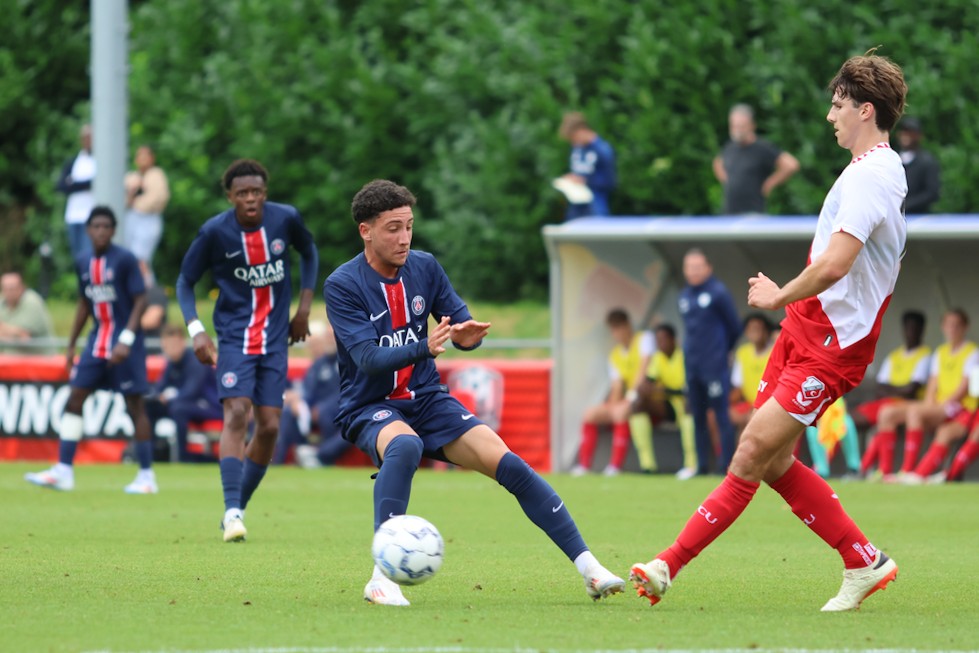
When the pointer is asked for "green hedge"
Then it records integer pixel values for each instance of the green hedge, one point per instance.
(460, 100)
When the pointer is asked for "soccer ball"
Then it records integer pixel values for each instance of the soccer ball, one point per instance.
(407, 549)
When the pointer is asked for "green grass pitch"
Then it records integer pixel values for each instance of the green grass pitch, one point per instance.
(97, 570)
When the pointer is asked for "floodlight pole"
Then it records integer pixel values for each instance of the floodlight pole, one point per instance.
(110, 97)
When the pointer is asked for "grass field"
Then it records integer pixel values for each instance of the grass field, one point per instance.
(97, 570)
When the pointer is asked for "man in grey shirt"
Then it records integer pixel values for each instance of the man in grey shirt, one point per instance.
(750, 167)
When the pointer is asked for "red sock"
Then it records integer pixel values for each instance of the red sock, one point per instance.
(813, 501)
(870, 455)
(932, 460)
(718, 511)
(620, 444)
(965, 457)
(589, 438)
(885, 455)
(912, 442)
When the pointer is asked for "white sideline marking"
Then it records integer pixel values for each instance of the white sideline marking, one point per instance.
(535, 649)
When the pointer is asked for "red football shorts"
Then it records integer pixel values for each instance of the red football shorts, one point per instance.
(804, 385)
(964, 417)
(871, 409)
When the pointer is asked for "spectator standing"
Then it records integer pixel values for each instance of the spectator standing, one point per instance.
(712, 328)
(23, 315)
(748, 167)
(186, 391)
(75, 182)
(147, 195)
(592, 164)
(921, 167)
(314, 405)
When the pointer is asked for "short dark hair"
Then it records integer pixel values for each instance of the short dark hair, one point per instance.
(668, 329)
(916, 317)
(244, 168)
(378, 196)
(102, 210)
(874, 79)
(617, 317)
(761, 317)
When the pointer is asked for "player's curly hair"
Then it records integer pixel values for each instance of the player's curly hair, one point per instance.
(243, 168)
(875, 79)
(379, 196)
(103, 211)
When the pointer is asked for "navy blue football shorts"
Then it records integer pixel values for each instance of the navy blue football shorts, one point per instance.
(127, 378)
(437, 417)
(260, 377)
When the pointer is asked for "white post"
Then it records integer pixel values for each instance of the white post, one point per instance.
(110, 97)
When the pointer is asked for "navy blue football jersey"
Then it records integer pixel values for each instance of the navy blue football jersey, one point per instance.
(364, 306)
(251, 270)
(110, 284)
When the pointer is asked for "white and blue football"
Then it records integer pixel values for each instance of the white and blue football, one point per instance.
(407, 549)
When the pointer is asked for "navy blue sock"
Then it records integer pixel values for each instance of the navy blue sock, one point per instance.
(144, 453)
(251, 477)
(66, 451)
(231, 471)
(393, 485)
(541, 503)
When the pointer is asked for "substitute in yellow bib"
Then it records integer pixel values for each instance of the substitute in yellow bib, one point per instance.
(750, 360)
(627, 364)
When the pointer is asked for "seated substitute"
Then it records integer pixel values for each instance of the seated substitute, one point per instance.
(392, 403)
(314, 404)
(750, 360)
(663, 394)
(627, 363)
(187, 391)
(901, 379)
(945, 398)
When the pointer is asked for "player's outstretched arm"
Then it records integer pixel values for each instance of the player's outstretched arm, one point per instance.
(830, 267)
(468, 334)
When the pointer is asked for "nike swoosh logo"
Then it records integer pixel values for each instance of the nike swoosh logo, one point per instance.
(375, 318)
(559, 506)
(232, 254)
(468, 417)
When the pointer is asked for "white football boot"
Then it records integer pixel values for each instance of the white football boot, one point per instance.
(380, 590)
(858, 584)
(601, 583)
(651, 579)
(144, 483)
(60, 477)
(233, 526)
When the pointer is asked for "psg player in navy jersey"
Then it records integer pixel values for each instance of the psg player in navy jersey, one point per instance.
(392, 405)
(111, 290)
(245, 248)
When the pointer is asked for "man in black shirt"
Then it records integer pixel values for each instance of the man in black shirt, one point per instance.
(920, 166)
(749, 167)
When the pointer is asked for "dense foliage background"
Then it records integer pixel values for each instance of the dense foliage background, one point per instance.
(460, 100)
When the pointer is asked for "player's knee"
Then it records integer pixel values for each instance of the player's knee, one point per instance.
(236, 414)
(751, 457)
(404, 451)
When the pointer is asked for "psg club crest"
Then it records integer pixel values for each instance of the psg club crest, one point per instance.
(109, 275)
(382, 414)
(229, 379)
(278, 246)
(485, 387)
(418, 305)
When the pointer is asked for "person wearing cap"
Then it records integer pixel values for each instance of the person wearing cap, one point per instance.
(921, 167)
